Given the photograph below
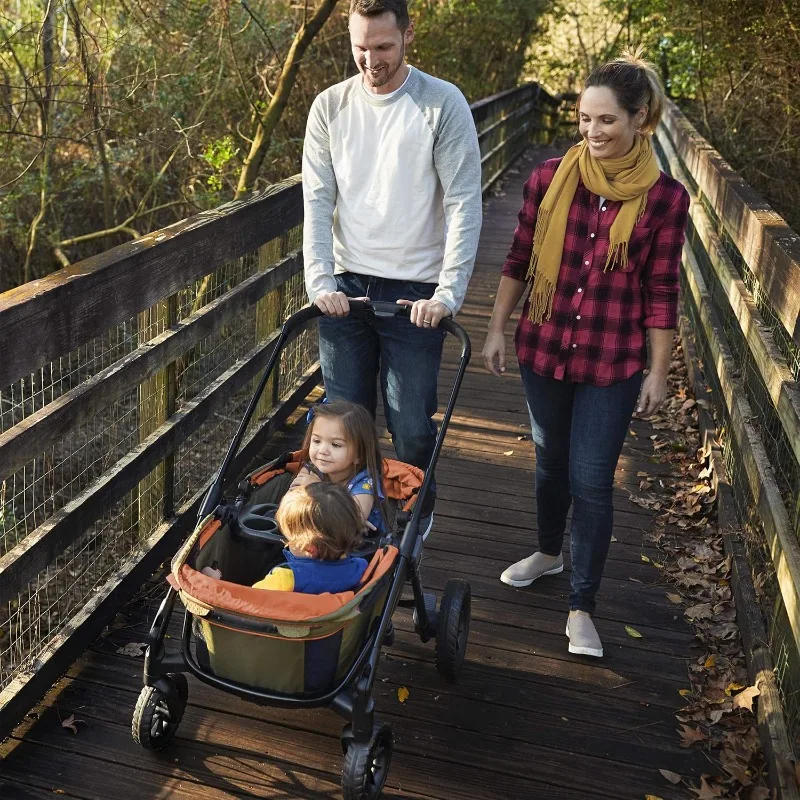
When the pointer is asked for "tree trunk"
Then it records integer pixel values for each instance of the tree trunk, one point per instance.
(268, 121)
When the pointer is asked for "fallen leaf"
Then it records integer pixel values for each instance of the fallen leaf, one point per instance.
(645, 559)
(633, 632)
(133, 649)
(734, 687)
(710, 661)
(674, 598)
(672, 777)
(684, 692)
(402, 694)
(652, 797)
(508, 453)
(706, 791)
(745, 699)
(69, 722)
(690, 735)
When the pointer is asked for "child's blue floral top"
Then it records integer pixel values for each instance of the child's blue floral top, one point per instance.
(362, 483)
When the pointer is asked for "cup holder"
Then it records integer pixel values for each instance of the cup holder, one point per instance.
(256, 527)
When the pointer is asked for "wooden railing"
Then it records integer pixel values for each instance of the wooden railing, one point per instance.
(741, 295)
(122, 379)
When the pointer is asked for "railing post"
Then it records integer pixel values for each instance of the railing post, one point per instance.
(155, 496)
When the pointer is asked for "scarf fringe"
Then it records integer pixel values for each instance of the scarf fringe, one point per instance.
(542, 221)
(617, 256)
(541, 299)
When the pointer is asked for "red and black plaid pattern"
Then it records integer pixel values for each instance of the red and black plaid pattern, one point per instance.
(596, 332)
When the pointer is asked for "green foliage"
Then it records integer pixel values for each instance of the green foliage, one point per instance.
(151, 106)
(217, 154)
(479, 45)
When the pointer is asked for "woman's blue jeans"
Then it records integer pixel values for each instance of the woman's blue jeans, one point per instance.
(578, 430)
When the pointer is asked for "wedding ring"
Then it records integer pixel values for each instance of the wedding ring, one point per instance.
(427, 321)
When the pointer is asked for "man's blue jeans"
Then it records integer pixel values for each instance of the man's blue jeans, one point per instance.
(354, 353)
(578, 430)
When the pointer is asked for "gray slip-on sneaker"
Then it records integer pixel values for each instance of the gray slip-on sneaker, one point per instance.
(583, 638)
(525, 572)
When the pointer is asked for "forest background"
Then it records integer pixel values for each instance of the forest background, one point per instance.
(118, 117)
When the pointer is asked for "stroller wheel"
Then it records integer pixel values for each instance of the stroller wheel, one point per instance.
(366, 765)
(153, 724)
(453, 628)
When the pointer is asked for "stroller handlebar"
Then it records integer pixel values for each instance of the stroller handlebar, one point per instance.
(369, 310)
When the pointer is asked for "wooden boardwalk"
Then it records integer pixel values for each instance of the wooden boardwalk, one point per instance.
(528, 721)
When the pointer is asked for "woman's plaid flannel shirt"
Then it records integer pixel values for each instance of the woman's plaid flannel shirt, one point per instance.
(596, 332)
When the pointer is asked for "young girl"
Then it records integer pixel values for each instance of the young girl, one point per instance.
(322, 525)
(341, 446)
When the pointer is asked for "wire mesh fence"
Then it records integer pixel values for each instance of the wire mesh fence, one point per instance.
(46, 484)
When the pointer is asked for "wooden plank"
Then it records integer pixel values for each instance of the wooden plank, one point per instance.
(34, 553)
(783, 390)
(768, 245)
(71, 306)
(782, 543)
(103, 668)
(18, 445)
(314, 742)
(85, 626)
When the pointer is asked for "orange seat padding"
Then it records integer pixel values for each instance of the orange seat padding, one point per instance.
(400, 480)
(276, 605)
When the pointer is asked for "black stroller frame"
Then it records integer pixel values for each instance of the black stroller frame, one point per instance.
(367, 746)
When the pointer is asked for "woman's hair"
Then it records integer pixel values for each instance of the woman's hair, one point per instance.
(635, 84)
(359, 431)
(324, 515)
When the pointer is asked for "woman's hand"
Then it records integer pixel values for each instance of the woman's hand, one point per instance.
(494, 352)
(652, 394)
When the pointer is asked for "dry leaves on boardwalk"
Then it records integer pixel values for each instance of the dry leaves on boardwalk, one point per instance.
(718, 713)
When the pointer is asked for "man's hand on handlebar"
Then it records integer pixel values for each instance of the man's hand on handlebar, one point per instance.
(335, 304)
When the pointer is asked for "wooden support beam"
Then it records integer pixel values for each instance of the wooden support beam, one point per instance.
(56, 314)
(768, 245)
(783, 389)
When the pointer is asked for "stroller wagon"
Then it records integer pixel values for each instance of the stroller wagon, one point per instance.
(292, 649)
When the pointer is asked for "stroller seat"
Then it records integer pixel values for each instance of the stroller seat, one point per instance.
(283, 642)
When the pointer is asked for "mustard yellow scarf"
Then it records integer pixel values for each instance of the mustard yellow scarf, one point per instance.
(627, 179)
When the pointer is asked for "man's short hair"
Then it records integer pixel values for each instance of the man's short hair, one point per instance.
(374, 8)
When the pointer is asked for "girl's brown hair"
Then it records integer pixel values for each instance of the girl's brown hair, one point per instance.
(360, 432)
(635, 84)
(322, 515)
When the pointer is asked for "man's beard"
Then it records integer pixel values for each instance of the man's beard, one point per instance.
(386, 74)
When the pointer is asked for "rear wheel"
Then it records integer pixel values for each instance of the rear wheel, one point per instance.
(366, 765)
(453, 628)
(154, 725)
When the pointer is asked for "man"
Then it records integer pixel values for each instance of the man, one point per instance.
(392, 198)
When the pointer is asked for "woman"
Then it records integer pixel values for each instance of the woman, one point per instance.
(599, 244)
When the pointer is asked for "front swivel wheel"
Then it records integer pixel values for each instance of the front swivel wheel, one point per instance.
(155, 718)
(366, 765)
